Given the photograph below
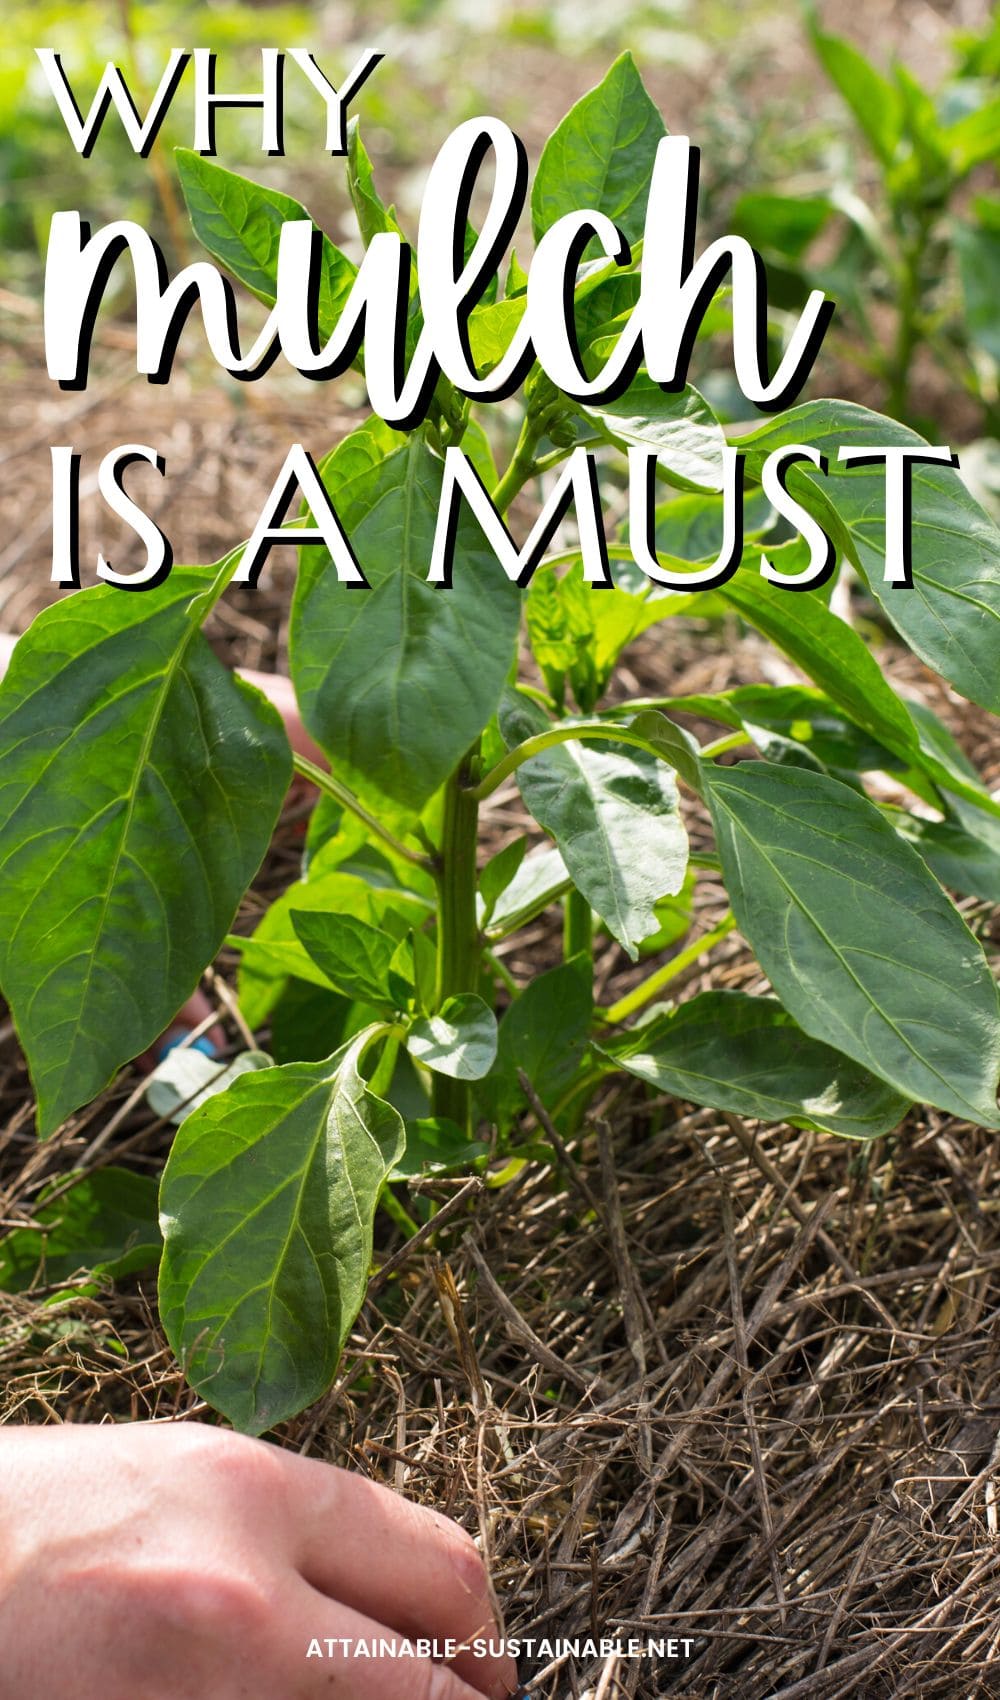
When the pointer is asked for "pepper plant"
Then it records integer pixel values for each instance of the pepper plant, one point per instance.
(141, 782)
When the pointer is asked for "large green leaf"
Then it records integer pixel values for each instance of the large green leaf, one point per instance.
(856, 936)
(395, 682)
(614, 814)
(267, 1204)
(951, 615)
(240, 222)
(139, 785)
(748, 1056)
(601, 155)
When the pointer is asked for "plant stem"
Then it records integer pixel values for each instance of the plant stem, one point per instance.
(521, 467)
(459, 942)
(397, 1212)
(578, 926)
(582, 730)
(732, 741)
(648, 989)
(909, 293)
(346, 798)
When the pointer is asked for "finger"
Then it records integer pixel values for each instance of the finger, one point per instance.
(332, 1649)
(397, 1562)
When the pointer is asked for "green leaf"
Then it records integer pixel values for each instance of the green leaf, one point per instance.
(978, 251)
(832, 653)
(540, 880)
(965, 861)
(673, 745)
(544, 1033)
(187, 1078)
(856, 936)
(435, 1146)
(460, 1041)
(105, 1224)
(397, 681)
(373, 216)
(491, 330)
(783, 224)
(679, 425)
(951, 615)
(875, 102)
(140, 785)
(613, 812)
(497, 875)
(974, 139)
(601, 155)
(691, 526)
(354, 955)
(267, 1204)
(674, 916)
(275, 953)
(240, 222)
(746, 1055)
(780, 717)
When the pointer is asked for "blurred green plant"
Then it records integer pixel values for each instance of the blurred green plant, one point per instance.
(924, 251)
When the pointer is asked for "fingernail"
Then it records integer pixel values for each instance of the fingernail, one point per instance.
(176, 1036)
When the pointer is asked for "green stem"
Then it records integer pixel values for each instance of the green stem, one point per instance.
(648, 989)
(733, 741)
(553, 735)
(347, 800)
(578, 926)
(521, 468)
(392, 1207)
(459, 943)
(908, 331)
(502, 972)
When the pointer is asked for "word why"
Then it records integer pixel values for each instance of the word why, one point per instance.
(113, 90)
(576, 487)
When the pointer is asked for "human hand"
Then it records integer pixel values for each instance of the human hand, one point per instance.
(154, 1561)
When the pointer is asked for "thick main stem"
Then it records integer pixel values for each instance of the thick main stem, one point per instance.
(458, 928)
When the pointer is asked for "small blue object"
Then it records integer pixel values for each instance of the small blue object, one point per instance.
(177, 1035)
